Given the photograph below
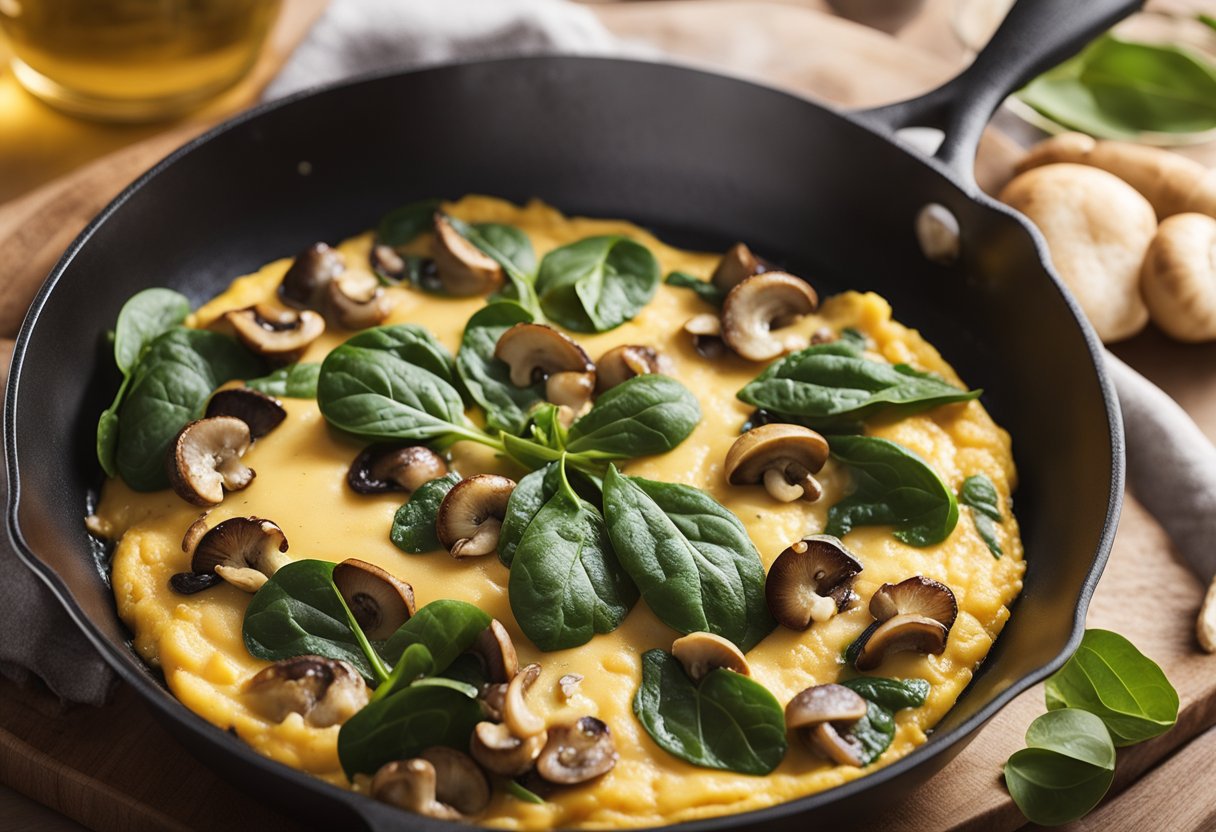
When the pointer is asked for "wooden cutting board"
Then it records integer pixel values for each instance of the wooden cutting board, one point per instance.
(115, 768)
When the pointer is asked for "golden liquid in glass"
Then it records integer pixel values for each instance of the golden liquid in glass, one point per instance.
(132, 60)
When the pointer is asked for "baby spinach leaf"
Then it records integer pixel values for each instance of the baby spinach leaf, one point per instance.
(566, 584)
(690, 557)
(169, 388)
(873, 732)
(401, 225)
(892, 486)
(443, 682)
(414, 663)
(143, 317)
(445, 627)
(598, 283)
(404, 724)
(511, 249)
(980, 495)
(1111, 679)
(648, 414)
(728, 722)
(703, 289)
(487, 379)
(413, 345)
(827, 384)
(295, 381)
(413, 527)
(1065, 771)
(892, 694)
(530, 495)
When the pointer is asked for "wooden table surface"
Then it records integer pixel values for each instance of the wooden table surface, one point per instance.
(116, 768)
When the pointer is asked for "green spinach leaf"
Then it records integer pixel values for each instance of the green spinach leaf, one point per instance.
(511, 249)
(690, 557)
(703, 289)
(413, 527)
(413, 345)
(598, 283)
(530, 495)
(1065, 771)
(648, 414)
(415, 663)
(445, 627)
(401, 225)
(980, 495)
(296, 381)
(892, 694)
(892, 486)
(487, 379)
(728, 722)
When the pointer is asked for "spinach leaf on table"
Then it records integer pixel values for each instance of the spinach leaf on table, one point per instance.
(691, 558)
(1066, 769)
(892, 486)
(413, 528)
(703, 289)
(980, 495)
(296, 381)
(728, 721)
(488, 379)
(400, 226)
(510, 248)
(648, 414)
(597, 283)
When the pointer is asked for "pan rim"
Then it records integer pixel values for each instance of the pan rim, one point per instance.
(169, 707)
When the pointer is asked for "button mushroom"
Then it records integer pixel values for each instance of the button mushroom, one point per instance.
(379, 601)
(761, 304)
(500, 751)
(303, 285)
(280, 335)
(470, 516)
(522, 720)
(577, 753)
(356, 300)
(496, 652)
(261, 412)
(244, 551)
(914, 614)
(324, 691)
(622, 363)
(536, 352)
(699, 653)
(204, 460)
(380, 468)
(783, 457)
(810, 582)
(439, 783)
(737, 265)
(706, 332)
(1178, 277)
(462, 268)
(815, 715)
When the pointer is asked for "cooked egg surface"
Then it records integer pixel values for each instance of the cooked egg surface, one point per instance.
(301, 485)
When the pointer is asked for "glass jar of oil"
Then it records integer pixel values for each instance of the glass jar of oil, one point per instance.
(132, 60)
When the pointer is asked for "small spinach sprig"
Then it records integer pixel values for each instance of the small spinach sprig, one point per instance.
(981, 497)
(874, 732)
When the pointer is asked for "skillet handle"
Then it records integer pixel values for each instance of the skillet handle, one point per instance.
(1035, 36)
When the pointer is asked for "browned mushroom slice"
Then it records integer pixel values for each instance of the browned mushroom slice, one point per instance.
(699, 653)
(280, 335)
(501, 752)
(356, 300)
(386, 262)
(706, 332)
(814, 713)
(244, 551)
(736, 266)
(577, 753)
(380, 468)
(304, 284)
(913, 615)
(261, 412)
(810, 582)
(758, 306)
(379, 601)
(496, 652)
(622, 363)
(463, 268)
(470, 516)
(569, 684)
(205, 460)
(458, 781)
(783, 457)
(411, 785)
(844, 749)
(323, 691)
(522, 720)
(536, 352)
(493, 698)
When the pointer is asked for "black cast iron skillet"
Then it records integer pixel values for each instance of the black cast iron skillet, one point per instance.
(704, 160)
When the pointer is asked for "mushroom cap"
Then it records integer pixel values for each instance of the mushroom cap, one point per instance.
(380, 602)
(324, 691)
(706, 332)
(497, 750)
(700, 653)
(261, 412)
(917, 595)
(522, 720)
(760, 304)
(736, 266)
(280, 335)
(470, 516)
(824, 703)
(622, 363)
(204, 460)
(244, 551)
(386, 262)
(458, 781)
(383, 467)
(463, 269)
(357, 300)
(536, 351)
(304, 283)
(1178, 278)
(816, 567)
(791, 449)
(496, 652)
(411, 785)
(900, 633)
(577, 753)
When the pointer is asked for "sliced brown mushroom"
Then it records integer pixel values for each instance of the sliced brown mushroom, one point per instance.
(810, 582)
(356, 300)
(706, 332)
(493, 698)
(783, 457)
(304, 284)
(324, 691)
(458, 781)
(758, 306)
(244, 551)
(736, 266)
(496, 652)
(380, 468)
(280, 335)
(261, 412)
(501, 752)
(536, 352)
(379, 601)
(386, 262)
(622, 363)
(700, 653)
(913, 615)
(205, 460)
(569, 684)
(522, 720)
(470, 516)
(462, 268)
(818, 712)
(411, 785)
(577, 753)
